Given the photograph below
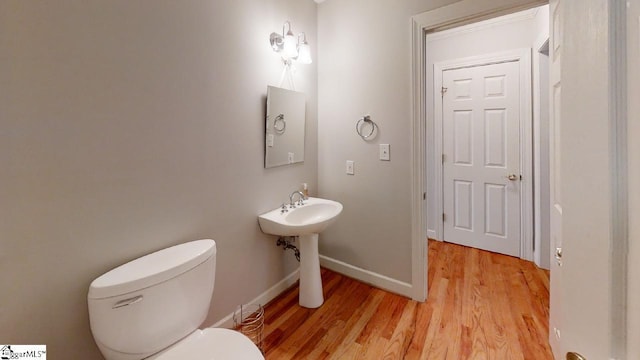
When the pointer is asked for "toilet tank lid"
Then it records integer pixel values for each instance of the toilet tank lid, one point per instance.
(152, 269)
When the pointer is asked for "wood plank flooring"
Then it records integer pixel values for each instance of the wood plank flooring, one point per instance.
(481, 305)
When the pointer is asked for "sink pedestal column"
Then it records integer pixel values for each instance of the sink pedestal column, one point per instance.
(310, 281)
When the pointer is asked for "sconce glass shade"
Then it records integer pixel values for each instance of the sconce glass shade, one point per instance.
(289, 50)
(304, 53)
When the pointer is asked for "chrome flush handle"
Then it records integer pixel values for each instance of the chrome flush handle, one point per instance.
(127, 302)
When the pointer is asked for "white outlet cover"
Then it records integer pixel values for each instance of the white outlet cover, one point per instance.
(270, 140)
(350, 167)
(290, 158)
(385, 152)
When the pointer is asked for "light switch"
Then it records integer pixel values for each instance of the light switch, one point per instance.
(350, 167)
(385, 152)
(290, 158)
(269, 140)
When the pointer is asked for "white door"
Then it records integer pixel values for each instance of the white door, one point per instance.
(481, 156)
(555, 221)
(587, 316)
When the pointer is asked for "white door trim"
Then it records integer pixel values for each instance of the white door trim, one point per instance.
(459, 13)
(539, 212)
(523, 57)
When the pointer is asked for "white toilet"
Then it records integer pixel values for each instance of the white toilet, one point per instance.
(151, 307)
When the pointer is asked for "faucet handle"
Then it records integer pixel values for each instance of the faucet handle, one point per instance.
(283, 209)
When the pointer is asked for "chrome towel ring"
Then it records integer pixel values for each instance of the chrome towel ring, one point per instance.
(362, 121)
(279, 124)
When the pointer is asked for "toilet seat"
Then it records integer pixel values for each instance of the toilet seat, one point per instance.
(212, 344)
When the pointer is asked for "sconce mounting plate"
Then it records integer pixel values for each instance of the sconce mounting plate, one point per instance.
(277, 42)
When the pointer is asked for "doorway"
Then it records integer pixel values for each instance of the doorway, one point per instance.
(592, 162)
(509, 225)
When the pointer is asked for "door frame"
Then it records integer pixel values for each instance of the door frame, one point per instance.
(458, 13)
(523, 57)
(539, 211)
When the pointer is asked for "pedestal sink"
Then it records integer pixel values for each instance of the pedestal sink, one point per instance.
(304, 221)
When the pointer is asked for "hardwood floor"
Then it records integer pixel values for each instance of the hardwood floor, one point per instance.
(481, 305)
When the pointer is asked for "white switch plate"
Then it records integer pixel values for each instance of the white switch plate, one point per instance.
(385, 152)
(269, 140)
(350, 167)
(290, 158)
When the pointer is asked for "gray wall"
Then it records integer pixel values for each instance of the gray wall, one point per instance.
(130, 126)
(365, 68)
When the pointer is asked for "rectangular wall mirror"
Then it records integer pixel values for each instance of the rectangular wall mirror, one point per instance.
(284, 127)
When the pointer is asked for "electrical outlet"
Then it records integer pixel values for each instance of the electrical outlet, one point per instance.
(385, 152)
(290, 158)
(350, 167)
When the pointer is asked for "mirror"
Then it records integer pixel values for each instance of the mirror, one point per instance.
(284, 127)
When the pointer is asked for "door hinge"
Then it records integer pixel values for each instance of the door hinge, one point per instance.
(444, 157)
(424, 196)
(444, 217)
(443, 90)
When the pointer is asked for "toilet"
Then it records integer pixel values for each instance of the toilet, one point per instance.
(151, 308)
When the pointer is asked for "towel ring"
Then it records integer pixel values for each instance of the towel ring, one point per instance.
(283, 124)
(361, 121)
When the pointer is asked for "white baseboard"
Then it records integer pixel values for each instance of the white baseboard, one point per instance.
(368, 277)
(264, 298)
(431, 234)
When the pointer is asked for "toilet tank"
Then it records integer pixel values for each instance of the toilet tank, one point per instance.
(145, 305)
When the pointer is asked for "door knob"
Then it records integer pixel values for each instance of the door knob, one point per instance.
(512, 177)
(575, 356)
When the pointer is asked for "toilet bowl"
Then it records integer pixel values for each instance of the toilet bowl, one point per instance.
(151, 308)
(210, 344)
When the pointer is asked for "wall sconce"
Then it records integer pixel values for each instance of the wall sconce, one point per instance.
(290, 49)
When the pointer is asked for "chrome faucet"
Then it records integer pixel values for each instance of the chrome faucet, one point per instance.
(300, 202)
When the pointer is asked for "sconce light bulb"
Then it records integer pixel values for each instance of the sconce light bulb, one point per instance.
(304, 54)
(289, 50)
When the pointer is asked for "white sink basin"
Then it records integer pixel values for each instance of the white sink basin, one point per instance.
(311, 218)
(305, 222)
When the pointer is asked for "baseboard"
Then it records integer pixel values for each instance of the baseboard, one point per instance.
(264, 298)
(431, 234)
(368, 277)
